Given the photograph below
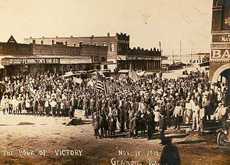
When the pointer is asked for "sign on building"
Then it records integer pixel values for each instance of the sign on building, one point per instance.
(220, 54)
(15, 61)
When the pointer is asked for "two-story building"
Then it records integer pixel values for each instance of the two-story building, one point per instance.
(21, 58)
(119, 54)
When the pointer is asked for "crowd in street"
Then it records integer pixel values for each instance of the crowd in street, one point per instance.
(149, 104)
(156, 104)
(41, 94)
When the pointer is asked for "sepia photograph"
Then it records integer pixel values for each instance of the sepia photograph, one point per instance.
(115, 82)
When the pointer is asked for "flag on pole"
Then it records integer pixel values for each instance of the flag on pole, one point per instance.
(160, 45)
(101, 86)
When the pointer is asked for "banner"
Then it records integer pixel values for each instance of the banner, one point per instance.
(133, 76)
(141, 73)
(77, 80)
(68, 74)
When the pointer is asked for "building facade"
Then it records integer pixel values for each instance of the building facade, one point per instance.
(119, 54)
(220, 47)
(199, 58)
(115, 43)
(21, 58)
(140, 59)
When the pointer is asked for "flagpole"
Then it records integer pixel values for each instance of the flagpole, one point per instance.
(160, 45)
(130, 66)
(105, 89)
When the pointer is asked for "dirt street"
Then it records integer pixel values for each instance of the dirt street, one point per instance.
(46, 140)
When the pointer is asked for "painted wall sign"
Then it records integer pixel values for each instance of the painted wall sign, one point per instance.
(142, 58)
(220, 54)
(14, 61)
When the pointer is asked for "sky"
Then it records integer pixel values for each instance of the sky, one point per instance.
(146, 21)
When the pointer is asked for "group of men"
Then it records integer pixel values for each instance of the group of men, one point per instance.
(41, 94)
(156, 104)
(135, 106)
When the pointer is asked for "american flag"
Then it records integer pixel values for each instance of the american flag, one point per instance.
(101, 86)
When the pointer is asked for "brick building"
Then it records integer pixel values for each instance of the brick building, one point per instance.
(220, 47)
(140, 59)
(119, 52)
(114, 43)
(17, 57)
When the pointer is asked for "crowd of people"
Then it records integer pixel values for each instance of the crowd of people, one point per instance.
(149, 104)
(41, 94)
(156, 104)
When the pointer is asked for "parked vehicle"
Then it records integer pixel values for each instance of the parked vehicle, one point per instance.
(223, 135)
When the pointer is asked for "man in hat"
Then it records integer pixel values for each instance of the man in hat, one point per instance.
(53, 105)
(177, 115)
(150, 123)
(157, 114)
(122, 115)
(195, 116)
(220, 111)
(132, 123)
(201, 118)
(95, 123)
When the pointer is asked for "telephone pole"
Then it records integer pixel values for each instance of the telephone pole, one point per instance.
(191, 57)
(180, 52)
(173, 57)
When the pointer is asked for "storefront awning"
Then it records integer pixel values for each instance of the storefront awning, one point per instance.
(46, 60)
(75, 61)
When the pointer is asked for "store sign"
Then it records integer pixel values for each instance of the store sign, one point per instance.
(76, 61)
(14, 61)
(221, 54)
(221, 38)
(142, 58)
